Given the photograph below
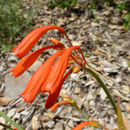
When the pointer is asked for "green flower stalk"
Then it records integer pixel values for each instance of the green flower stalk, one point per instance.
(99, 80)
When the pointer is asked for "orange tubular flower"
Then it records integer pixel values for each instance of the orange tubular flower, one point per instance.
(32, 38)
(51, 75)
(55, 78)
(38, 79)
(55, 106)
(52, 98)
(88, 123)
(27, 61)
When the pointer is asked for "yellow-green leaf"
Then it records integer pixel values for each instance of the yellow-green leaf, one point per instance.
(120, 117)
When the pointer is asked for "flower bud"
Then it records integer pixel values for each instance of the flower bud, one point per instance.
(76, 69)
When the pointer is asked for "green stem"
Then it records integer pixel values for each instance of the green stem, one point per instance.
(83, 114)
(11, 121)
(5, 126)
(103, 86)
(74, 104)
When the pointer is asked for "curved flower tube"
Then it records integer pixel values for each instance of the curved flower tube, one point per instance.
(32, 38)
(88, 123)
(55, 106)
(56, 77)
(27, 61)
(38, 79)
(59, 68)
(52, 98)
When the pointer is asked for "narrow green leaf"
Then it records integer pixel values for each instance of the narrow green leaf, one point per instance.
(120, 117)
(96, 76)
(5, 126)
(11, 121)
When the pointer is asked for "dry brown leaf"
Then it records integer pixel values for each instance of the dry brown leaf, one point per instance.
(19, 109)
(89, 83)
(4, 101)
(44, 118)
(115, 92)
(97, 53)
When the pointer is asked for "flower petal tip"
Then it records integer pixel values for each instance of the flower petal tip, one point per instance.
(11, 70)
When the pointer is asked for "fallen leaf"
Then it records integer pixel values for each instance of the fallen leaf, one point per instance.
(4, 101)
(19, 109)
(44, 118)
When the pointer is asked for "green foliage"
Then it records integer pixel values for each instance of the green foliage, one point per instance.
(14, 18)
(10, 121)
(127, 21)
(125, 6)
(63, 3)
(98, 3)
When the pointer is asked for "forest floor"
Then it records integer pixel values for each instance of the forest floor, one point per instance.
(106, 46)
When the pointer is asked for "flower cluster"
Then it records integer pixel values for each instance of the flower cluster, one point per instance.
(51, 75)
